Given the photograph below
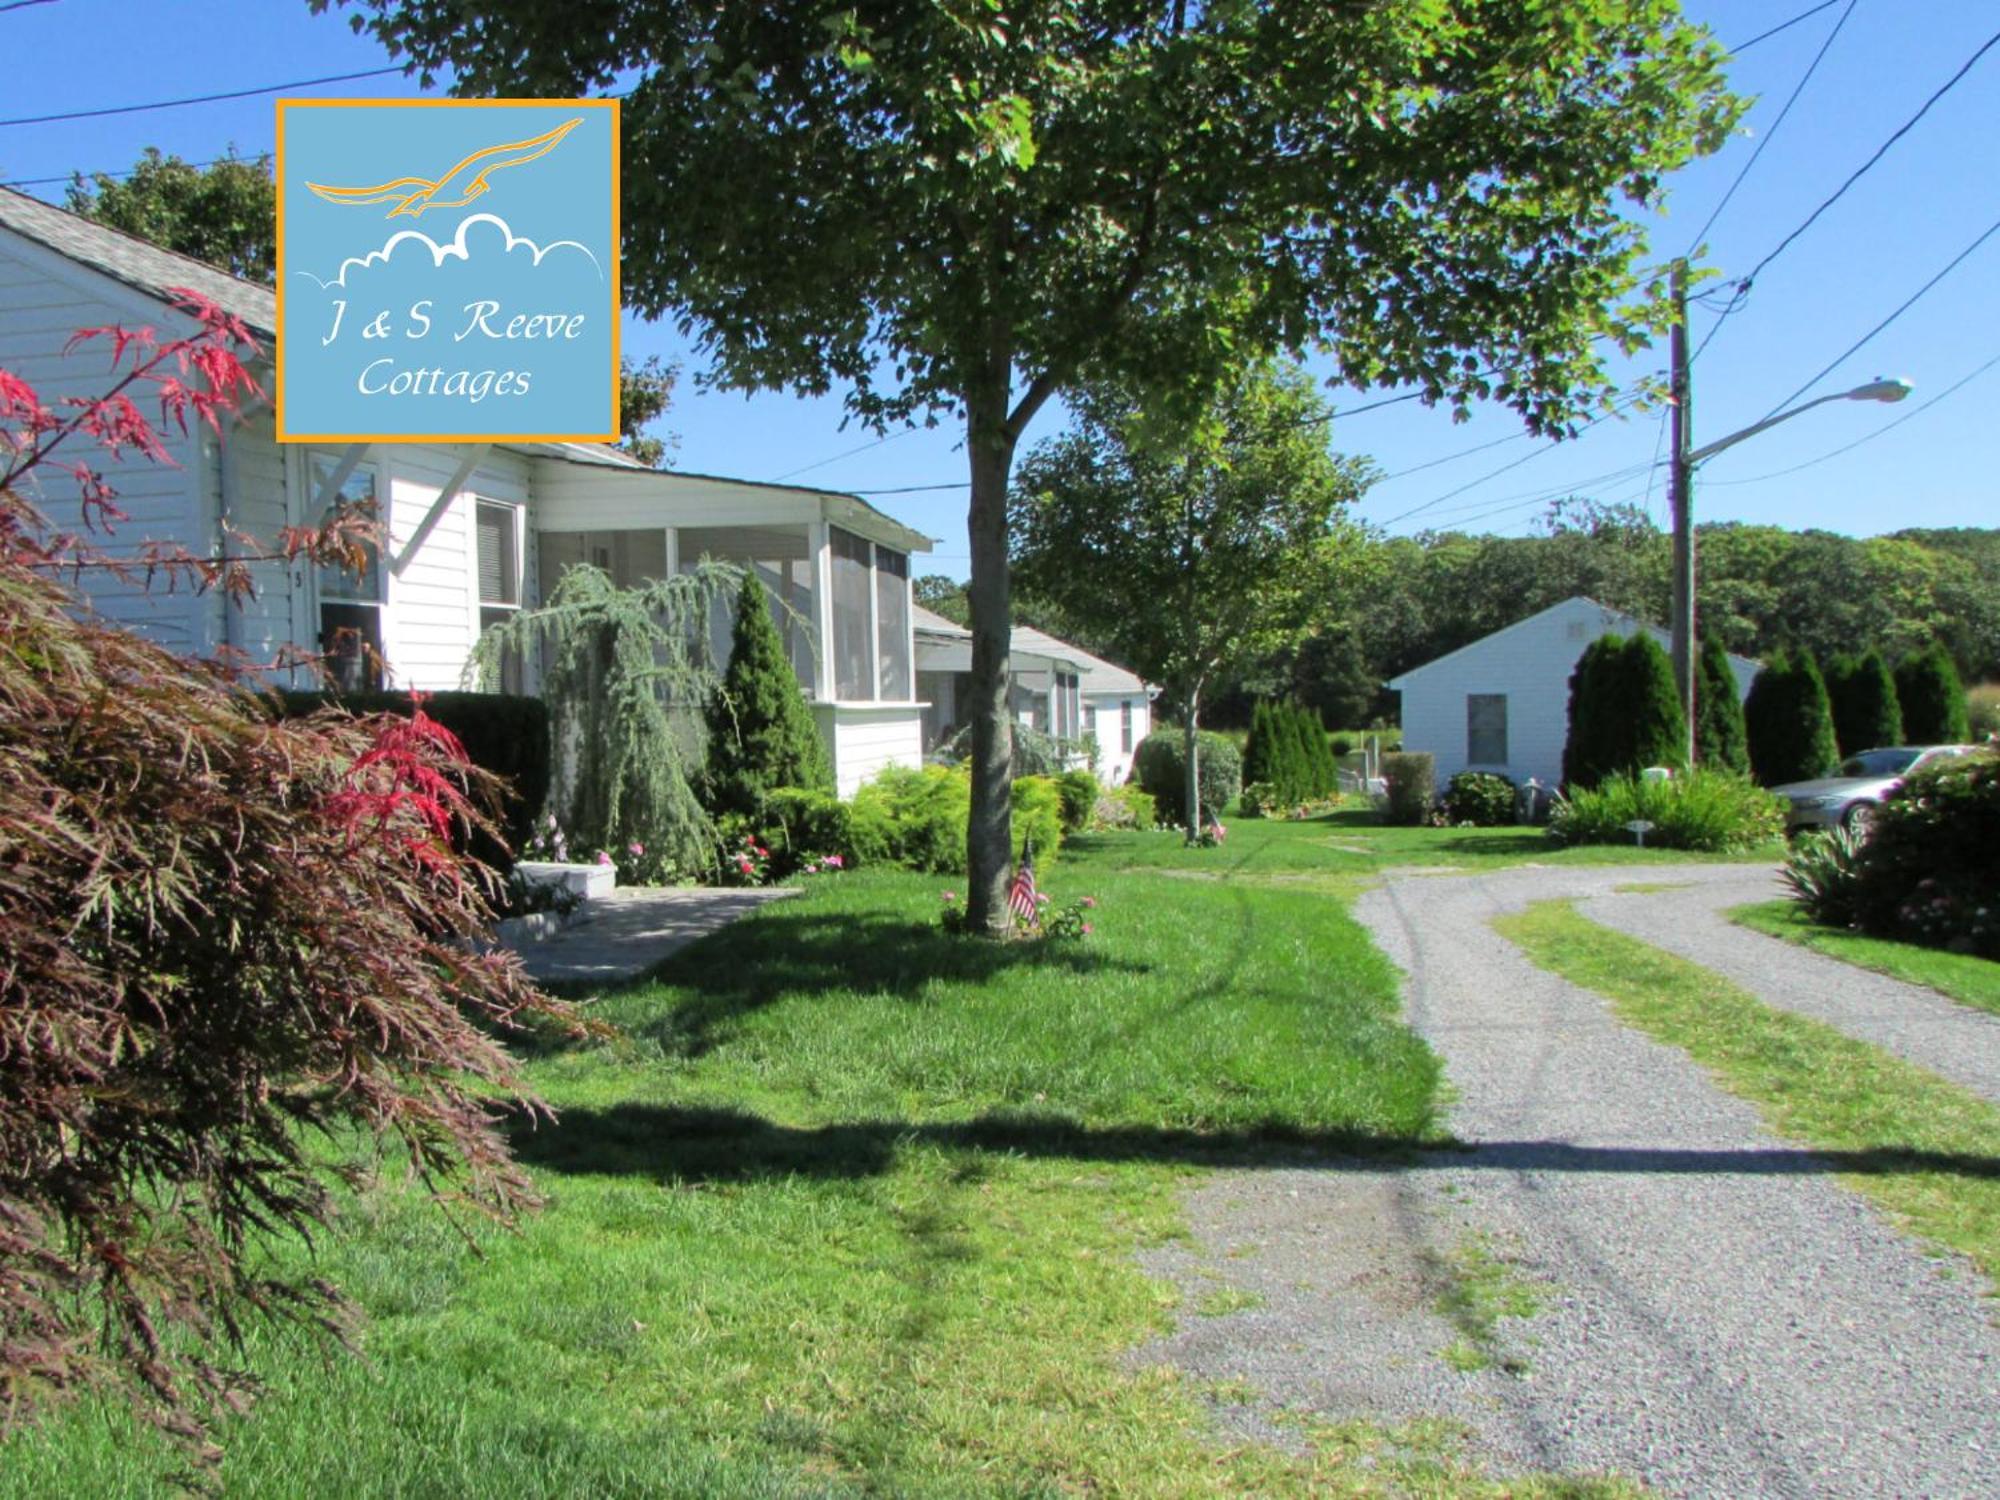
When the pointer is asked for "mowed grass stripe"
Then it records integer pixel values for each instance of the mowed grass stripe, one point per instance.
(1958, 976)
(1919, 1146)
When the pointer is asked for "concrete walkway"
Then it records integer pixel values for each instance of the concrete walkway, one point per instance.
(626, 933)
(1719, 1315)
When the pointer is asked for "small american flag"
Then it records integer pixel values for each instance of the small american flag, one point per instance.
(1021, 893)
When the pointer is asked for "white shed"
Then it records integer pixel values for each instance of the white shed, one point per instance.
(1502, 703)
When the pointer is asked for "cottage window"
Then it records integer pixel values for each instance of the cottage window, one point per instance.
(350, 600)
(499, 558)
(1486, 729)
(1125, 724)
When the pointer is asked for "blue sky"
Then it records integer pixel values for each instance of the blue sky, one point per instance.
(1931, 196)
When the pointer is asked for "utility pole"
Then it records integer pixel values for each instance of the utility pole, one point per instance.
(1680, 497)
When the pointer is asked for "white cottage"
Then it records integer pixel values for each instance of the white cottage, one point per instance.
(473, 531)
(1502, 703)
(1055, 687)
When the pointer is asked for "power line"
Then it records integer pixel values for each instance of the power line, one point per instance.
(1770, 134)
(1450, 458)
(1880, 151)
(850, 453)
(917, 489)
(216, 161)
(23, 5)
(1765, 36)
(1916, 296)
(134, 109)
(1950, 390)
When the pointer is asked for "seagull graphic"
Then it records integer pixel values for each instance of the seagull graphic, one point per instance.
(416, 195)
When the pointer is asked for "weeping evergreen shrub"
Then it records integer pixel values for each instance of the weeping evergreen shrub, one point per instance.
(1719, 743)
(625, 675)
(1788, 723)
(1862, 694)
(1932, 698)
(761, 734)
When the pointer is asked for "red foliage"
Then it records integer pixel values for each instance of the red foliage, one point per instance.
(220, 933)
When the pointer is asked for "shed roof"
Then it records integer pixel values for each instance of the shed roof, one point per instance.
(1615, 620)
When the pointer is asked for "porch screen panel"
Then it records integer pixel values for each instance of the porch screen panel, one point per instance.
(892, 625)
(853, 653)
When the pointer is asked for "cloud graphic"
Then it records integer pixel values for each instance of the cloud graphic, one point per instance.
(453, 249)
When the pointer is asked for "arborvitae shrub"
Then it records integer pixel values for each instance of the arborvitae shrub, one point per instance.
(1080, 792)
(1788, 723)
(1862, 694)
(1932, 698)
(1260, 749)
(1162, 773)
(1624, 712)
(1655, 733)
(1719, 743)
(1594, 711)
(761, 733)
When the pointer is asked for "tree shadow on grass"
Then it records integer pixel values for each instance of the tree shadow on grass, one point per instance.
(694, 1145)
(792, 952)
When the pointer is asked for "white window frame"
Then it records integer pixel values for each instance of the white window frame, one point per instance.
(320, 465)
(517, 515)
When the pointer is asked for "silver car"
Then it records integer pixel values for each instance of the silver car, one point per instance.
(1848, 798)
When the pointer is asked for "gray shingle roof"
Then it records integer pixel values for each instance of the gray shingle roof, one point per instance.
(139, 265)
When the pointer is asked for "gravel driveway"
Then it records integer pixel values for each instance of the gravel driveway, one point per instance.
(1719, 1316)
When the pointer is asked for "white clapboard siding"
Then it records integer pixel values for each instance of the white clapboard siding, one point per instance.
(43, 302)
(867, 740)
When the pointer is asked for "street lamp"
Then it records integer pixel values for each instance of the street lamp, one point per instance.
(1680, 486)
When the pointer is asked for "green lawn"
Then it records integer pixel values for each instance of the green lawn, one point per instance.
(1352, 844)
(1925, 1149)
(1966, 979)
(850, 1209)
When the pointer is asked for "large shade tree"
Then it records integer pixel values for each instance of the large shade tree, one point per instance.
(969, 206)
(1190, 546)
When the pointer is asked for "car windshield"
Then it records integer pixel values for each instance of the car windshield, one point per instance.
(1879, 763)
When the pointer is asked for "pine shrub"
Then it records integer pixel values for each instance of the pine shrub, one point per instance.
(1788, 724)
(1862, 694)
(1932, 698)
(761, 733)
(1719, 739)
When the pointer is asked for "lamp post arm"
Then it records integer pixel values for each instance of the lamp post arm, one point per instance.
(1709, 450)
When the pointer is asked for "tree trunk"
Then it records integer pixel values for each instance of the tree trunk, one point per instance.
(989, 831)
(1190, 744)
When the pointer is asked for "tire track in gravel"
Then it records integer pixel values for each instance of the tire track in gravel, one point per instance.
(1722, 1318)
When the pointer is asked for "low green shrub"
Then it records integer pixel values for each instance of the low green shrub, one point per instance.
(1124, 807)
(1823, 873)
(1703, 811)
(922, 814)
(1485, 799)
(1161, 771)
(1412, 786)
(1079, 791)
(1038, 814)
(502, 732)
(801, 823)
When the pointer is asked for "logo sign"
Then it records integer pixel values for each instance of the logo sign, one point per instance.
(447, 270)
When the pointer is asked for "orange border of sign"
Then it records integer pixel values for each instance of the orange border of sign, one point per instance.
(617, 303)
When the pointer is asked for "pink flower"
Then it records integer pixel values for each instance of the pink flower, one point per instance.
(1086, 929)
(1041, 898)
(950, 896)
(603, 857)
(1088, 903)
(635, 848)
(836, 862)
